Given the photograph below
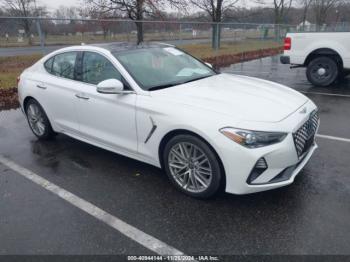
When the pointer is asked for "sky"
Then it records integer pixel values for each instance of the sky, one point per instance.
(53, 4)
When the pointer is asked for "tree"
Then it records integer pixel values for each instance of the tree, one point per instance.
(22, 8)
(64, 12)
(94, 11)
(136, 10)
(322, 8)
(305, 6)
(216, 9)
(281, 8)
(67, 20)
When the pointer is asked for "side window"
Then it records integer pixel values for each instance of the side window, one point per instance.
(96, 68)
(48, 65)
(63, 65)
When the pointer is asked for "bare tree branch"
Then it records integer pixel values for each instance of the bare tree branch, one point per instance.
(22, 8)
(321, 9)
(135, 10)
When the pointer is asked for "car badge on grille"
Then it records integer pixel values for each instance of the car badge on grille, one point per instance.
(303, 111)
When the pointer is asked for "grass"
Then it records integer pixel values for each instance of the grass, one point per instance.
(175, 34)
(11, 67)
(205, 50)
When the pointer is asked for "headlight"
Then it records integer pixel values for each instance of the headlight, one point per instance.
(253, 139)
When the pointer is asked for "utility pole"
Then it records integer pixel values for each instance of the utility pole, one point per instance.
(38, 27)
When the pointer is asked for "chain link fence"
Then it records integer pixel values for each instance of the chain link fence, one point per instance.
(20, 31)
(31, 31)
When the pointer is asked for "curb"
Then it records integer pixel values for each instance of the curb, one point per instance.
(226, 60)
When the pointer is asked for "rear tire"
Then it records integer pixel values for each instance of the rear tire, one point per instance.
(38, 120)
(322, 71)
(192, 166)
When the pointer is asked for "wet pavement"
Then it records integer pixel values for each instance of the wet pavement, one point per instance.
(311, 216)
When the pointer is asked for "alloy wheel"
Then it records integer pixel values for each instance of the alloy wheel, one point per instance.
(190, 167)
(36, 119)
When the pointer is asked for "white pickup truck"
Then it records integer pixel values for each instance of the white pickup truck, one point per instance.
(325, 55)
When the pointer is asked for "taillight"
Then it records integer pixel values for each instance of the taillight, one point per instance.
(18, 79)
(287, 43)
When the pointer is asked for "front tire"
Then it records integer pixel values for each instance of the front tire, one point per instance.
(192, 166)
(322, 71)
(38, 120)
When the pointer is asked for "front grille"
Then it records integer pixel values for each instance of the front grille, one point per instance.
(305, 135)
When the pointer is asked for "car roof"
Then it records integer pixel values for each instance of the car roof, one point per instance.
(113, 47)
(125, 46)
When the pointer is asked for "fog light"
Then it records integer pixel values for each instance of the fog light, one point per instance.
(261, 164)
(258, 169)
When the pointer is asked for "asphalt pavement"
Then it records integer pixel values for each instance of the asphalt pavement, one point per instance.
(309, 217)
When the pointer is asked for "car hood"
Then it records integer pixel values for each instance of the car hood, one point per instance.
(242, 97)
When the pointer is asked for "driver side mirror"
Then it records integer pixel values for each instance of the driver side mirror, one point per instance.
(110, 86)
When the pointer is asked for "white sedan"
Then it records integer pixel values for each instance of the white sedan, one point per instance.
(159, 105)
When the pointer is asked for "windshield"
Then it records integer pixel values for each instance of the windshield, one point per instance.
(157, 68)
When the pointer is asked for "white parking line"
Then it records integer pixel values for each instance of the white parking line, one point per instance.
(131, 232)
(334, 138)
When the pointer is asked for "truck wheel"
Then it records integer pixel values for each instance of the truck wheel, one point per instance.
(322, 71)
(343, 75)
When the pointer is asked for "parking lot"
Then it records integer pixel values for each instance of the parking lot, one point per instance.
(121, 206)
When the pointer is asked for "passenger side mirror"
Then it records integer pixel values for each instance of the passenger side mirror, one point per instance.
(110, 86)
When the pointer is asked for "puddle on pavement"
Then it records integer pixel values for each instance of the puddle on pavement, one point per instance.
(79, 162)
(46, 153)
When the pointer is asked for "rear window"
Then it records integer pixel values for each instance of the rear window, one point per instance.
(48, 65)
(62, 65)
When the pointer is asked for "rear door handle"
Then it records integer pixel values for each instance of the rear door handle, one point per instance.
(41, 87)
(81, 96)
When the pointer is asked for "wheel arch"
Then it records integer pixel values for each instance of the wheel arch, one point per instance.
(329, 52)
(177, 132)
(26, 100)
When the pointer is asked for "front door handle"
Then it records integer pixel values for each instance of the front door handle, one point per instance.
(41, 87)
(81, 96)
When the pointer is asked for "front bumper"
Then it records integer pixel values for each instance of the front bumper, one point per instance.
(287, 176)
(282, 160)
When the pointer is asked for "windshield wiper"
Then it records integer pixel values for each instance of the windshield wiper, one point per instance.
(161, 87)
(195, 79)
(176, 84)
